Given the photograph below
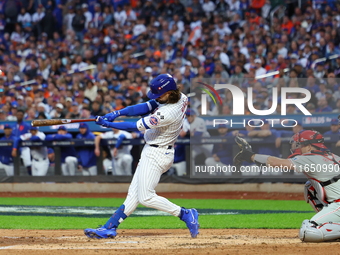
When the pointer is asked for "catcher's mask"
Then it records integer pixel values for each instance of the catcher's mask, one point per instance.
(305, 137)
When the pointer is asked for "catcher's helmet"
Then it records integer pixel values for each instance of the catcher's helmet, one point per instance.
(312, 137)
(160, 85)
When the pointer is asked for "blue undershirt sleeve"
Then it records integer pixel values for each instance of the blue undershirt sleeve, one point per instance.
(139, 109)
(129, 126)
(120, 140)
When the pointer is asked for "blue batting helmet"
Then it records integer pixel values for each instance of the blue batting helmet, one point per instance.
(160, 85)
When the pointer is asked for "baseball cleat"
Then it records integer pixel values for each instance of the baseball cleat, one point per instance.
(100, 233)
(190, 217)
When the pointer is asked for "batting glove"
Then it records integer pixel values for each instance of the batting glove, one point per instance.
(101, 121)
(111, 116)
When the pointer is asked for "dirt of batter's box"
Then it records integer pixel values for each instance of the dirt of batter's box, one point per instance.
(186, 195)
(166, 241)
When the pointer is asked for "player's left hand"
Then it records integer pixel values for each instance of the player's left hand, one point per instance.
(101, 121)
(245, 153)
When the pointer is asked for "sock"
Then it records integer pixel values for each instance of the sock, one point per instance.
(29, 170)
(182, 212)
(116, 218)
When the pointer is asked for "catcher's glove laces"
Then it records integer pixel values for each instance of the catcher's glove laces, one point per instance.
(245, 153)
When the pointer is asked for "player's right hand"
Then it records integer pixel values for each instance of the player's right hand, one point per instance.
(14, 153)
(111, 116)
(97, 152)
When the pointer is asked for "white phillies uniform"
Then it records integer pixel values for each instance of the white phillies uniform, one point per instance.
(121, 164)
(321, 168)
(162, 129)
(40, 160)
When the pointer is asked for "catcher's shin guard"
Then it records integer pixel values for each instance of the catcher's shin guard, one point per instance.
(311, 232)
(310, 195)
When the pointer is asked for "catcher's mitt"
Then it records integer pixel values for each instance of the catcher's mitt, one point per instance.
(245, 151)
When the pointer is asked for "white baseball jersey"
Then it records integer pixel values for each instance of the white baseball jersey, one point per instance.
(40, 152)
(40, 160)
(320, 168)
(186, 125)
(125, 148)
(165, 123)
(198, 125)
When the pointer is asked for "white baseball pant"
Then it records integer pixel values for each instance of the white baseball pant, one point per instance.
(107, 164)
(70, 166)
(152, 164)
(40, 167)
(122, 165)
(220, 168)
(329, 213)
(206, 149)
(25, 154)
(180, 168)
(9, 169)
(87, 171)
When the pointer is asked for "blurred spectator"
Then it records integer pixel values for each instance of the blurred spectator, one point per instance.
(68, 18)
(96, 109)
(40, 161)
(37, 18)
(25, 18)
(180, 165)
(51, 156)
(266, 131)
(48, 23)
(107, 162)
(91, 90)
(334, 128)
(222, 153)
(78, 23)
(6, 159)
(58, 112)
(323, 105)
(198, 129)
(19, 129)
(86, 113)
(121, 156)
(297, 128)
(88, 15)
(86, 157)
(69, 161)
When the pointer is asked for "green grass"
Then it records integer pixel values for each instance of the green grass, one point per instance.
(195, 203)
(280, 220)
(274, 221)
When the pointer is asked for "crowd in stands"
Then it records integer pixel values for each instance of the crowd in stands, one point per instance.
(89, 57)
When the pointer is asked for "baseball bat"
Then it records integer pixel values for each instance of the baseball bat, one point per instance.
(39, 123)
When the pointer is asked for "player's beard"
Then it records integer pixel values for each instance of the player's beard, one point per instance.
(164, 101)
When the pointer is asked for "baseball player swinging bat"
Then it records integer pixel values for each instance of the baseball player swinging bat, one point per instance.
(39, 123)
